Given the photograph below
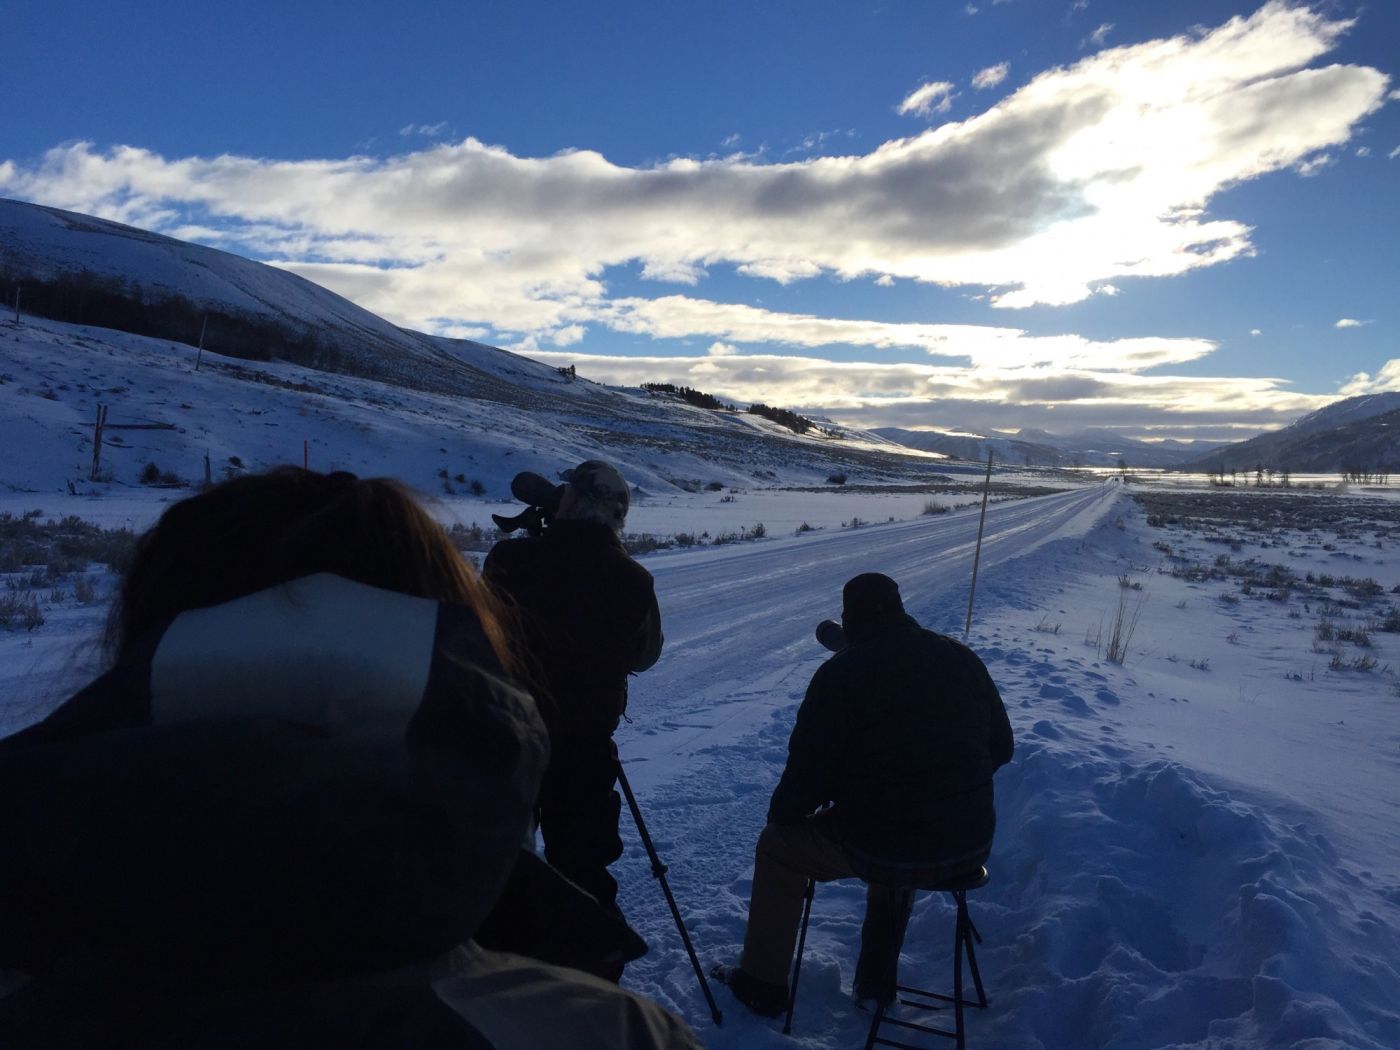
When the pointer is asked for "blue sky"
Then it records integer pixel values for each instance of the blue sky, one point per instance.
(1176, 219)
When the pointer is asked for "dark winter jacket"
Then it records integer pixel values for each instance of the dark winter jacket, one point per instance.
(272, 827)
(589, 615)
(902, 730)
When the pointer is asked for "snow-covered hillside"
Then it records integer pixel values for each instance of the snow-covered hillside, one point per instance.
(250, 415)
(432, 405)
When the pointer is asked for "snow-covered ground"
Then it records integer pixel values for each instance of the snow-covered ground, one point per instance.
(1196, 845)
(1197, 842)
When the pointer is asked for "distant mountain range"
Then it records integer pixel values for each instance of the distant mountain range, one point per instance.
(1088, 448)
(1359, 435)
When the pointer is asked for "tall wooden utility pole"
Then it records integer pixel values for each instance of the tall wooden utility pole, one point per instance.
(977, 557)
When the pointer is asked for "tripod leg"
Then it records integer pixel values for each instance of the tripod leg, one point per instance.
(659, 871)
(801, 943)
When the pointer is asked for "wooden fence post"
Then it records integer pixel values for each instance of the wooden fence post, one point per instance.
(97, 426)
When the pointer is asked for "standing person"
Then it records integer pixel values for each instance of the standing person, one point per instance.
(284, 814)
(590, 618)
(901, 731)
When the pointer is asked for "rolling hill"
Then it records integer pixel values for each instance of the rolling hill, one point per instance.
(290, 372)
(1357, 435)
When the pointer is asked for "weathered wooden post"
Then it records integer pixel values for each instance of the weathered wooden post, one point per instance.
(97, 426)
(199, 354)
(16, 304)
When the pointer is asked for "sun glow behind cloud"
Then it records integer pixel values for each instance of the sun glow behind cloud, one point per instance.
(1081, 179)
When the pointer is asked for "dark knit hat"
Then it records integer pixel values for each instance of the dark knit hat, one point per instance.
(601, 489)
(869, 596)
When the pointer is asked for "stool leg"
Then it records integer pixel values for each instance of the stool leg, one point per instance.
(960, 934)
(801, 944)
(964, 936)
(970, 932)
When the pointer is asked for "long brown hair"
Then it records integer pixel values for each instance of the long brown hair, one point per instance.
(250, 533)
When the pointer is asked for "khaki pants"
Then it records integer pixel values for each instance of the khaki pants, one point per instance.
(788, 855)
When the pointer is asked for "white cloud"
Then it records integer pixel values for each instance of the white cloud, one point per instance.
(1363, 151)
(885, 281)
(1388, 378)
(1091, 173)
(568, 335)
(1256, 331)
(978, 346)
(991, 76)
(730, 141)
(1099, 35)
(970, 9)
(1389, 156)
(1350, 322)
(453, 331)
(1313, 165)
(676, 271)
(814, 141)
(718, 349)
(870, 394)
(924, 101)
(430, 131)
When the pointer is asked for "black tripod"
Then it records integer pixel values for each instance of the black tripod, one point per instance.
(659, 871)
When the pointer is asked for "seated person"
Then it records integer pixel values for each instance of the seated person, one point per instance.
(281, 816)
(901, 731)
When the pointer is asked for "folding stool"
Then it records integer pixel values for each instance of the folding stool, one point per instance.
(964, 936)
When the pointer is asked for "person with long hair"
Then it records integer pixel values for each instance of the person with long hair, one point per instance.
(293, 803)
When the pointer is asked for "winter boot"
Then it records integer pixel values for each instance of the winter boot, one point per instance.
(764, 999)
